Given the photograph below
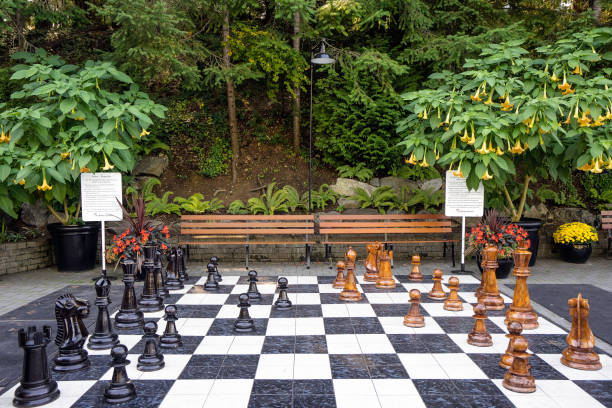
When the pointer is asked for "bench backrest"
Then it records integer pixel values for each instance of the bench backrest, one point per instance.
(606, 220)
(205, 226)
(333, 224)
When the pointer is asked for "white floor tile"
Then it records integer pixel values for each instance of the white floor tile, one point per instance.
(226, 401)
(226, 280)
(554, 360)
(312, 366)
(281, 327)
(327, 288)
(246, 345)
(537, 399)
(342, 344)
(422, 366)
(227, 387)
(431, 327)
(394, 386)
(500, 343)
(183, 401)
(401, 401)
(199, 388)
(214, 345)
(309, 326)
(437, 309)
(394, 325)
(128, 340)
(192, 326)
(175, 364)
(334, 310)
(375, 344)
(378, 298)
(308, 299)
(356, 387)
(361, 401)
(360, 310)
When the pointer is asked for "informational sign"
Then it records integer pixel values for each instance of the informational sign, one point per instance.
(99, 195)
(461, 202)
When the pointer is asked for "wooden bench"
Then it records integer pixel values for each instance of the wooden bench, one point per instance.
(606, 225)
(241, 229)
(386, 229)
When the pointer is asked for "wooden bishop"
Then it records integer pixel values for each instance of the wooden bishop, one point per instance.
(371, 262)
(414, 317)
(514, 332)
(350, 292)
(579, 352)
(520, 310)
(490, 296)
(415, 273)
(518, 378)
(453, 302)
(385, 278)
(437, 292)
(339, 281)
(479, 336)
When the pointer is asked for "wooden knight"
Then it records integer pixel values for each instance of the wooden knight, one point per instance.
(371, 262)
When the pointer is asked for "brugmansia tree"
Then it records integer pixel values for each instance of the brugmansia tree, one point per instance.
(512, 116)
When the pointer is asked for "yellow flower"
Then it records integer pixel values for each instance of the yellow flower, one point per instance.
(476, 97)
(564, 86)
(584, 120)
(107, 165)
(84, 170)
(465, 136)
(21, 182)
(144, 133)
(586, 167)
(424, 162)
(2, 137)
(609, 166)
(577, 70)
(599, 121)
(499, 151)
(412, 159)
(568, 91)
(596, 168)
(65, 155)
(44, 186)
(517, 149)
(489, 101)
(506, 105)
(486, 176)
(483, 149)
(554, 78)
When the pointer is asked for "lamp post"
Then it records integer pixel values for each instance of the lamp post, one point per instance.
(320, 58)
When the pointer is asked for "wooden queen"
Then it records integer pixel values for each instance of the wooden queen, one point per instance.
(521, 310)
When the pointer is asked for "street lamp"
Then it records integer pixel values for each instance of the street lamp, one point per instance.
(320, 58)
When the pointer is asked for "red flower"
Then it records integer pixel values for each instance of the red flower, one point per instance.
(164, 247)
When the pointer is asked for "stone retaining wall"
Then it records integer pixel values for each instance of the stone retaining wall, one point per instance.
(25, 256)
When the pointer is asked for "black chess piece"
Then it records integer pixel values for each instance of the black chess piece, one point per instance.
(180, 264)
(149, 301)
(160, 282)
(172, 280)
(185, 253)
(211, 282)
(170, 338)
(283, 301)
(36, 386)
(129, 316)
(120, 389)
(215, 261)
(71, 333)
(151, 358)
(244, 323)
(103, 337)
(253, 292)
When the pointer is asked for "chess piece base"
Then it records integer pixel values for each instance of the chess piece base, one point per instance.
(152, 363)
(506, 361)
(385, 283)
(129, 319)
(413, 278)
(370, 276)
(151, 303)
(28, 396)
(162, 293)
(283, 304)
(97, 342)
(71, 362)
(480, 340)
(170, 342)
(211, 286)
(254, 296)
(338, 284)
(581, 359)
(453, 306)
(518, 383)
(218, 277)
(244, 326)
(492, 302)
(119, 394)
(528, 319)
(437, 296)
(411, 321)
(174, 284)
(350, 295)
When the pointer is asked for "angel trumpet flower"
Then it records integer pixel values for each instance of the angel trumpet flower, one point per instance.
(476, 97)
(107, 165)
(465, 138)
(517, 148)
(584, 121)
(554, 78)
(609, 166)
(483, 149)
(44, 186)
(506, 105)
(424, 162)
(596, 168)
(577, 70)
(412, 159)
(486, 176)
(490, 100)
(499, 151)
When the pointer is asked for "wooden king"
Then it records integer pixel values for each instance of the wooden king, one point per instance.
(521, 310)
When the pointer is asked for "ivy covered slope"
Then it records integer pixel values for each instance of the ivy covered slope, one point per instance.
(65, 121)
(513, 115)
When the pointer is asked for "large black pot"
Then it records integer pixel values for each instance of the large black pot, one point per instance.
(502, 272)
(575, 253)
(532, 226)
(75, 246)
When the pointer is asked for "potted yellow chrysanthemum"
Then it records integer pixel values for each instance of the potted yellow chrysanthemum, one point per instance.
(574, 241)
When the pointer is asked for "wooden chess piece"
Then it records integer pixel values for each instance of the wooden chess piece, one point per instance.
(120, 389)
(514, 332)
(579, 352)
(479, 336)
(415, 274)
(490, 296)
(151, 358)
(385, 278)
(283, 302)
(170, 338)
(414, 317)
(340, 280)
(71, 333)
(437, 293)
(453, 302)
(129, 316)
(518, 378)
(36, 386)
(371, 263)
(350, 292)
(520, 310)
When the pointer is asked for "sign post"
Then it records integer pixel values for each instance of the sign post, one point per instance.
(100, 201)
(462, 202)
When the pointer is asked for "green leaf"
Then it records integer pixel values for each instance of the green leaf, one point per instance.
(24, 73)
(55, 174)
(67, 105)
(120, 76)
(44, 122)
(6, 205)
(4, 172)
(480, 170)
(91, 122)
(59, 191)
(108, 126)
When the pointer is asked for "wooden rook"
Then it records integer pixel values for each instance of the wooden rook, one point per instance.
(479, 336)
(414, 317)
(437, 293)
(518, 378)
(350, 292)
(385, 278)
(453, 302)
(340, 280)
(371, 262)
(415, 274)
(520, 310)
(490, 296)
(579, 353)
(514, 332)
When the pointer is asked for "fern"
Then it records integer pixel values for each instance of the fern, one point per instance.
(272, 201)
(359, 172)
(294, 201)
(237, 207)
(411, 198)
(382, 198)
(197, 205)
(156, 205)
(323, 196)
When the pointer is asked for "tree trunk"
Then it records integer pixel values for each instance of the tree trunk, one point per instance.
(595, 5)
(231, 98)
(296, 88)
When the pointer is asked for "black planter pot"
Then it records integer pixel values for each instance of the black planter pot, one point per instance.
(502, 272)
(532, 226)
(75, 246)
(575, 253)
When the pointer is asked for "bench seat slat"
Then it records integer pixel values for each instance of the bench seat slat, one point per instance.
(244, 242)
(305, 217)
(382, 224)
(247, 224)
(382, 230)
(383, 216)
(262, 231)
(606, 226)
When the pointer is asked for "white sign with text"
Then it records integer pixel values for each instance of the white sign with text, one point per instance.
(99, 195)
(461, 202)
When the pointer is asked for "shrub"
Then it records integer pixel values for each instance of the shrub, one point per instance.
(216, 162)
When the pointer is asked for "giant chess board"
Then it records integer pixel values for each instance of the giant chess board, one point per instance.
(324, 352)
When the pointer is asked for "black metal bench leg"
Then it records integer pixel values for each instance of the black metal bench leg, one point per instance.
(444, 250)
(246, 259)
(328, 255)
(453, 252)
(307, 256)
(391, 254)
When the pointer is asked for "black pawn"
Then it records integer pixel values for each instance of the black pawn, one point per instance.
(36, 387)
(103, 337)
(170, 338)
(129, 316)
(160, 282)
(244, 323)
(211, 282)
(172, 280)
(151, 358)
(253, 292)
(149, 300)
(283, 301)
(215, 261)
(120, 389)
